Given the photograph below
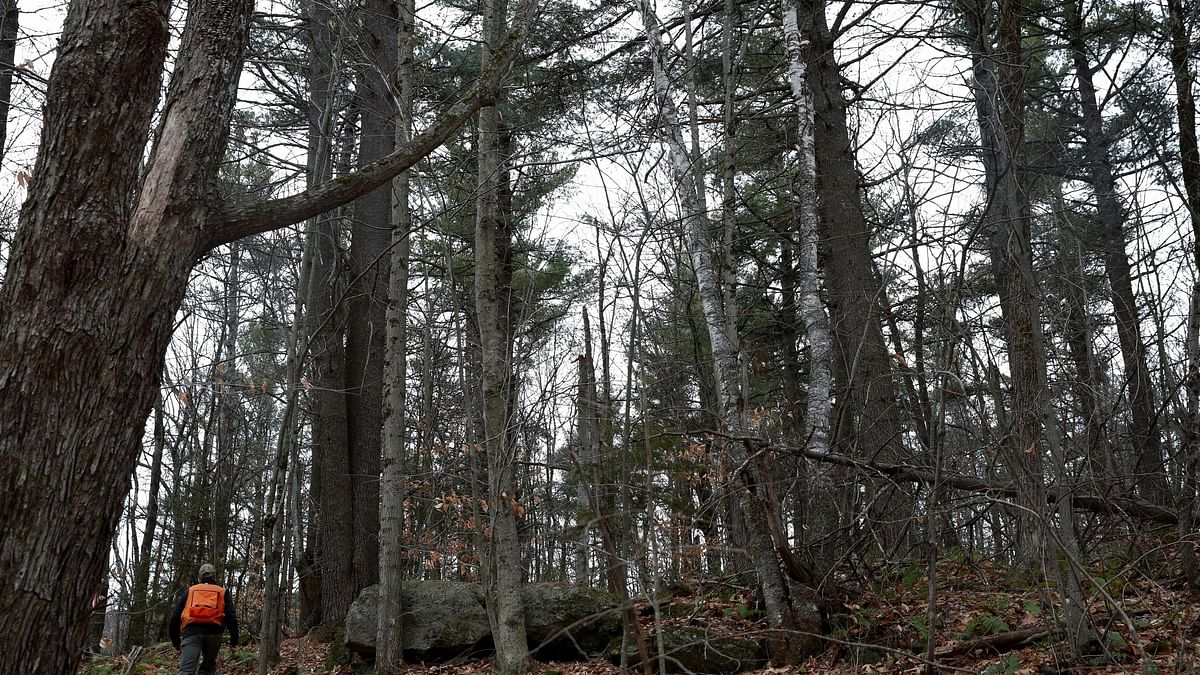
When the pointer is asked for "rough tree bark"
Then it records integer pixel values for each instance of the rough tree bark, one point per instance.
(370, 253)
(99, 265)
(334, 548)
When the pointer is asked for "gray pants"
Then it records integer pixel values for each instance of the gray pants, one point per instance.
(195, 646)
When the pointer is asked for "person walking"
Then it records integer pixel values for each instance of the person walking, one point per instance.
(202, 614)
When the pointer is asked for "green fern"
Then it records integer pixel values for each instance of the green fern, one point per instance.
(1000, 603)
(918, 622)
(984, 624)
(912, 575)
(1005, 666)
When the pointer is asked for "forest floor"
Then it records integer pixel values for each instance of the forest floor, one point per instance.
(990, 622)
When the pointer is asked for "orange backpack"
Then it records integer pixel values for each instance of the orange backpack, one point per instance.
(205, 604)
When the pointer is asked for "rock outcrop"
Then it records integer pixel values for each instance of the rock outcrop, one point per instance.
(448, 619)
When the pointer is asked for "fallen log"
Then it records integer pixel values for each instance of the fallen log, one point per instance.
(998, 643)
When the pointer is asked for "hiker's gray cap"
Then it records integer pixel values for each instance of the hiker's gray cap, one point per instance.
(207, 570)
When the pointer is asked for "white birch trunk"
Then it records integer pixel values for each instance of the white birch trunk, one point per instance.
(700, 246)
(816, 319)
(788, 645)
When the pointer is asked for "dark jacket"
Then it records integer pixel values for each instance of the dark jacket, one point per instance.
(203, 628)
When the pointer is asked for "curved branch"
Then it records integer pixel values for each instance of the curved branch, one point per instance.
(242, 220)
(235, 221)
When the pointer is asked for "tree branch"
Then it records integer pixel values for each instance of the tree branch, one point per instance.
(1116, 505)
(235, 221)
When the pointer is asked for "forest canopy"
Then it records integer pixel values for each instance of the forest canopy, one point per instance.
(786, 297)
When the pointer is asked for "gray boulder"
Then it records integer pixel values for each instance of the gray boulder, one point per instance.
(446, 619)
(442, 619)
(565, 622)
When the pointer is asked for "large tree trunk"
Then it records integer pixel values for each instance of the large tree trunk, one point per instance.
(335, 541)
(502, 567)
(96, 274)
(325, 325)
(370, 256)
(1151, 481)
(349, 553)
(871, 420)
